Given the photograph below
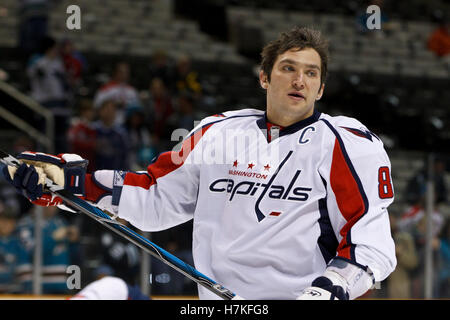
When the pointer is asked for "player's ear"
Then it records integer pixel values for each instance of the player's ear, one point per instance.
(263, 81)
(320, 93)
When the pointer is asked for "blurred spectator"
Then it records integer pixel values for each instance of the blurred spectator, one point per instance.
(22, 143)
(187, 79)
(415, 214)
(160, 108)
(50, 88)
(57, 236)
(81, 136)
(162, 67)
(119, 90)
(141, 143)
(414, 220)
(443, 282)
(419, 234)
(399, 282)
(439, 40)
(415, 195)
(9, 196)
(74, 62)
(33, 24)
(112, 147)
(48, 76)
(11, 252)
(120, 258)
(186, 112)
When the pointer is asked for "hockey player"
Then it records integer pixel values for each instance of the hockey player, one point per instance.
(289, 203)
(110, 288)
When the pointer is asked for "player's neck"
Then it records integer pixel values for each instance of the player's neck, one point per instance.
(271, 125)
(285, 120)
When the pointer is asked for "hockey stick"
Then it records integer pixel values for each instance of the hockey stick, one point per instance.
(95, 213)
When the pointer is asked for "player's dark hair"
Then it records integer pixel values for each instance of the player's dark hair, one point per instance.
(298, 37)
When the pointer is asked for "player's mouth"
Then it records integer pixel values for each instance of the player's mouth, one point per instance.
(297, 96)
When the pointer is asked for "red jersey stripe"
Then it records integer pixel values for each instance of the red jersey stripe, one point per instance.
(348, 197)
(166, 162)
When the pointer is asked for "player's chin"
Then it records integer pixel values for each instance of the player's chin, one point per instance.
(298, 106)
(303, 111)
(298, 103)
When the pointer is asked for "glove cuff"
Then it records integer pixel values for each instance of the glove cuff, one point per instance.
(104, 188)
(358, 279)
(74, 177)
(94, 191)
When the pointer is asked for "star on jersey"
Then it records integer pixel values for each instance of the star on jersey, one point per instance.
(251, 166)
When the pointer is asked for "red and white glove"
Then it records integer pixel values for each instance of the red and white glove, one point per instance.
(66, 170)
(102, 188)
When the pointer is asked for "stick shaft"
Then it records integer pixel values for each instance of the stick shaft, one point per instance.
(127, 233)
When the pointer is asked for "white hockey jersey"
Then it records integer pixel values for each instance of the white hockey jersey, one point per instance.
(269, 216)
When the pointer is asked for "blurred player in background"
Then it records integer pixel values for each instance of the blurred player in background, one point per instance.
(308, 221)
(109, 288)
(12, 254)
(59, 241)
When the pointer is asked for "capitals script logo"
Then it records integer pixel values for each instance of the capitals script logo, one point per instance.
(252, 188)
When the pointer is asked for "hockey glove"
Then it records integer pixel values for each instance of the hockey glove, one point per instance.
(340, 281)
(102, 188)
(323, 288)
(66, 170)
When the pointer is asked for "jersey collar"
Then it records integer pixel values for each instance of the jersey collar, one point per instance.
(262, 124)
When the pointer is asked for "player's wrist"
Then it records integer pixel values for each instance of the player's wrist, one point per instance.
(104, 188)
(341, 280)
(94, 190)
(335, 279)
(358, 279)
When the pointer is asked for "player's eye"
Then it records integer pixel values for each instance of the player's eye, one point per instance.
(311, 73)
(288, 68)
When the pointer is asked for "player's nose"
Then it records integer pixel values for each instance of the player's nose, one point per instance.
(298, 81)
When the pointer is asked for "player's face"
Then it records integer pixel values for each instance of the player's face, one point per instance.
(294, 86)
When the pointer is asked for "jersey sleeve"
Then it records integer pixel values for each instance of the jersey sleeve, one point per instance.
(357, 174)
(166, 194)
